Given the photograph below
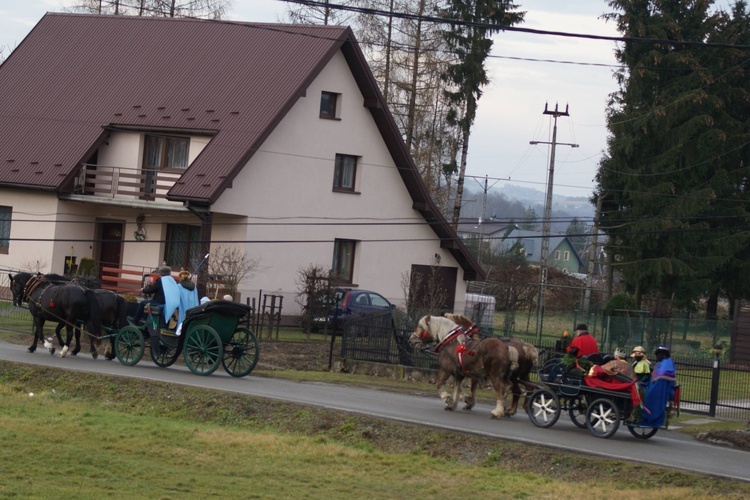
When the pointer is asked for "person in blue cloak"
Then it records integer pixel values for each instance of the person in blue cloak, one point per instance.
(660, 390)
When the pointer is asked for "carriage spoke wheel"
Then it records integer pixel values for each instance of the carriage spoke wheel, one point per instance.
(129, 345)
(169, 351)
(544, 408)
(642, 432)
(203, 350)
(241, 353)
(603, 418)
(577, 411)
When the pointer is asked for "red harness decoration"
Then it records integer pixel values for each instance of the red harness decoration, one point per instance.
(461, 347)
(448, 338)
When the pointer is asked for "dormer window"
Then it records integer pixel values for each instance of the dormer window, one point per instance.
(162, 152)
(329, 105)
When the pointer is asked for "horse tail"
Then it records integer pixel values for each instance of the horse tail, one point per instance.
(95, 312)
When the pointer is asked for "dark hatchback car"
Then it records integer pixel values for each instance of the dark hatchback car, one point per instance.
(349, 302)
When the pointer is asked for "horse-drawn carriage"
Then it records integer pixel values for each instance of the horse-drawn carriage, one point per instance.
(210, 335)
(206, 335)
(594, 403)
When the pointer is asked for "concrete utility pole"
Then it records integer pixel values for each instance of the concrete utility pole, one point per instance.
(547, 215)
(592, 256)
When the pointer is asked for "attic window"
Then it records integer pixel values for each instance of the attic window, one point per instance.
(162, 152)
(329, 105)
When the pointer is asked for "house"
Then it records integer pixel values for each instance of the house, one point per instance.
(490, 232)
(562, 254)
(137, 140)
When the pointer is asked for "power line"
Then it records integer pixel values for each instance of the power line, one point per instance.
(494, 27)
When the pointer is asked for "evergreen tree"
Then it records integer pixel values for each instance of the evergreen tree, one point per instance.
(577, 233)
(470, 41)
(674, 176)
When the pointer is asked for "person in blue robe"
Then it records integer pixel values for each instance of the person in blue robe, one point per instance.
(660, 390)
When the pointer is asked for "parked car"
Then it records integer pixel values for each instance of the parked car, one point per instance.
(348, 302)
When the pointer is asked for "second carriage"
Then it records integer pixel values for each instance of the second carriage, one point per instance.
(209, 336)
(601, 407)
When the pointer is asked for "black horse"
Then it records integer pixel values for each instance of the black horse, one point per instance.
(55, 300)
(114, 313)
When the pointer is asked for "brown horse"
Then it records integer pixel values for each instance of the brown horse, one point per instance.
(524, 353)
(463, 357)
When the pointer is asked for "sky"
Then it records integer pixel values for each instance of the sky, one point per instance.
(511, 110)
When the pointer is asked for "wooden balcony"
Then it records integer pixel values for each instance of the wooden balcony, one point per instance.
(126, 183)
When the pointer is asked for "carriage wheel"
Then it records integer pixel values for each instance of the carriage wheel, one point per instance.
(544, 408)
(169, 351)
(577, 411)
(603, 418)
(129, 345)
(241, 353)
(203, 350)
(642, 432)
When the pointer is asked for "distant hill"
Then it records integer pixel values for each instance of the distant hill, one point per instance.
(510, 203)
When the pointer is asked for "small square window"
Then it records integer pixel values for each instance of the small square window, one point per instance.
(329, 105)
(343, 260)
(344, 173)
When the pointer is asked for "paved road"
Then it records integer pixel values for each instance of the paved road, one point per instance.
(667, 448)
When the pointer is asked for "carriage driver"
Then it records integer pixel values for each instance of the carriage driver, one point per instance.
(584, 342)
(156, 288)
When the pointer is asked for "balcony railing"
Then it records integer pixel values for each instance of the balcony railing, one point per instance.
(126, 183)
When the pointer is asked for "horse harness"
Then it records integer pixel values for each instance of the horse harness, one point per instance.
(33, 284)
(461, 348)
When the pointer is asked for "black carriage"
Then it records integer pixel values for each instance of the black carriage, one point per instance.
(209, 336)
(601, 410)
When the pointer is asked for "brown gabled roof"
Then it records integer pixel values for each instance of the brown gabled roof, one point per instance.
(76, 75)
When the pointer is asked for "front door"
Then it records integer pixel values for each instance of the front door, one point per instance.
(110, 248)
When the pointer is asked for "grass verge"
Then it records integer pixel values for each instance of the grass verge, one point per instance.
(83, 435)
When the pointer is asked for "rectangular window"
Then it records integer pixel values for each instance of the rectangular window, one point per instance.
(557, 254)
(344, 173)
(566, 256)
(183, 247)
(329, 105)
(163, 152)
(5, 216)
(343, 260)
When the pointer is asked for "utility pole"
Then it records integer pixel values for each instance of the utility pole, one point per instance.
(547, 215)
(592, 256)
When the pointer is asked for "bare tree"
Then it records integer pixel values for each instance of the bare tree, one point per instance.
(206, 9)
(313, 289)
(229, 266)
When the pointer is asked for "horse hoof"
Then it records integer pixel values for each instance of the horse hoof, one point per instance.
(448, 408)
(31, 350)
(494, 417)
(94, 354)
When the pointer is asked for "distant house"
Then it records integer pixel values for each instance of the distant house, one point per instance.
(562, 254)
(491, 231)
(137, 140)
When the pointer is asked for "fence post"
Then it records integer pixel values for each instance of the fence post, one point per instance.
(714, 387)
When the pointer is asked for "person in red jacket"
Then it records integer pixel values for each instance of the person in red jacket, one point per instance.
(584, 342)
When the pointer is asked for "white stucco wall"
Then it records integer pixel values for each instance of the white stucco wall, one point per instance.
(287, 186)
(34, 216)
